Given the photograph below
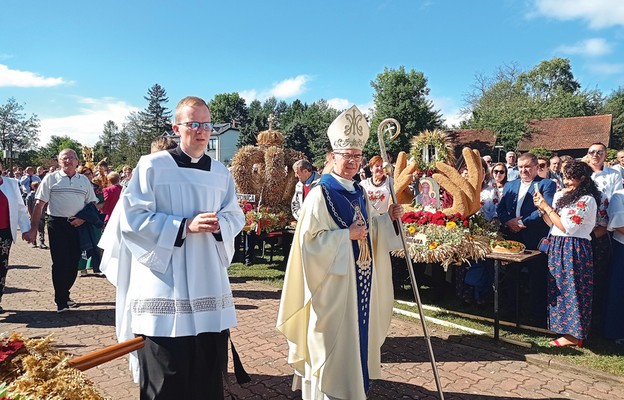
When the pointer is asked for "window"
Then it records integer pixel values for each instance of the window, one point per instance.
(212, 144)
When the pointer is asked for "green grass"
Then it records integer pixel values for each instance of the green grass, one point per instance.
(599, 354)
(268, 273)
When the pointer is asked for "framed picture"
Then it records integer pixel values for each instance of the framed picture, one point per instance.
(428, 193)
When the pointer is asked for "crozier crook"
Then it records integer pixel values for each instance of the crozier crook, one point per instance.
(393, 128)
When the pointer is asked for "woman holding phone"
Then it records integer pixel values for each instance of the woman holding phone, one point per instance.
(570, 260)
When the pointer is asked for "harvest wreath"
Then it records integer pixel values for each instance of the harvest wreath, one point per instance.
(33, 369)
(447, 239)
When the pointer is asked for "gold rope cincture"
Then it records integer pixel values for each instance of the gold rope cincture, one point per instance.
(364, 259)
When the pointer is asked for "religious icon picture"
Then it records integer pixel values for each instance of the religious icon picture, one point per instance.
(428, 193)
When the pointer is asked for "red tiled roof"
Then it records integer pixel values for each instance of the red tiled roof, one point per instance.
(567, 133)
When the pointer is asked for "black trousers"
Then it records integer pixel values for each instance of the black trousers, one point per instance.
(65, 252)
(189, 367)
(6, 240)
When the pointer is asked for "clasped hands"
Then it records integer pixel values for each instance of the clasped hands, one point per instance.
(358, 229)
(206, 222)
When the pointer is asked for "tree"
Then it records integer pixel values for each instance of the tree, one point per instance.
(228, 107)
(17, 132)
(548, 78)
(137, 145)
(156, 119)
(401, 95)
(614, 105)
(152, 122)
(507, 102)
(318, 116)
(50, 151)
(256, 122)
(108, 144)
(126, 153)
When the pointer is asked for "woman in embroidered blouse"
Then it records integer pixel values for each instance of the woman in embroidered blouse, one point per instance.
(378, 185)
(570, 258)
(13, 212)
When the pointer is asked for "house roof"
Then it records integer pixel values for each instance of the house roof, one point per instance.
(221, 128)
(480, 139)
(567, 133)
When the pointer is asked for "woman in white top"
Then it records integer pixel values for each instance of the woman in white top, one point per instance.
(377, 186)
(570, 258)
(13, 213)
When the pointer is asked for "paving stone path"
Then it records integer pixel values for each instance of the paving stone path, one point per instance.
(470, 368)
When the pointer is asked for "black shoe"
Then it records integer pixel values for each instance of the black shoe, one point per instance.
(62, 309)
(72, 304)
(43, 246)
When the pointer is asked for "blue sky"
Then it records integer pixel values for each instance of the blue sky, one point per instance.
(77, 64)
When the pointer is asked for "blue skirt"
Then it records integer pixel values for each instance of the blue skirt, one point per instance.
(570, 286)
(614, 317)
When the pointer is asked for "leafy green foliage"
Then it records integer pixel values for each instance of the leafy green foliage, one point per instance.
(614, 104)
(401, 95)
(506, 102)
(228, 107)
(17, 132)
(49, 153)
(541, 152)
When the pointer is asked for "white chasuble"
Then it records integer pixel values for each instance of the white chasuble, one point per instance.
(318, 311)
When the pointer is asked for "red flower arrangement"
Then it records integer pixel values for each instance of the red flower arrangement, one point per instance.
(436, 218)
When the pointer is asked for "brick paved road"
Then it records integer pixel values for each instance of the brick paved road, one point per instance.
(470, 368)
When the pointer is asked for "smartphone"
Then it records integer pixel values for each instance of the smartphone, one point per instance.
(535, 187)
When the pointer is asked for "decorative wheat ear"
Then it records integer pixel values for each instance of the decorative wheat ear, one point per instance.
(466, 192)
(403, 172)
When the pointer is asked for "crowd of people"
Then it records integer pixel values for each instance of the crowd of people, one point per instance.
(572, 289)
(165, 241)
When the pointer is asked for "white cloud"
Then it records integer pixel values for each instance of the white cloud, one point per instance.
(16, 78)
(607, 68)
(248, 95)
(597, 13)
(590, 47)
(339, 104)
(86, 126)
(285, 89)
(290, 87)
(451, 113)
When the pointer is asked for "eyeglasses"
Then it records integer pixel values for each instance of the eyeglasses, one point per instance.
(195, 125)
(542, 165)
(498, 171)
(350, 157)
(595, 152)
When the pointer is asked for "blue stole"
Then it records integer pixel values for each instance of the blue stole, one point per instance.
(341, 206)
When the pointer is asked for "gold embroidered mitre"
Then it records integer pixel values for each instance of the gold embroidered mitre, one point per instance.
(349, 130)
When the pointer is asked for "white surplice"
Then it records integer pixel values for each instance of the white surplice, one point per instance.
(164, 290)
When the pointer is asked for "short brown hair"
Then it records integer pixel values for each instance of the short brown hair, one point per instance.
(113, 177)
(190, 101)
